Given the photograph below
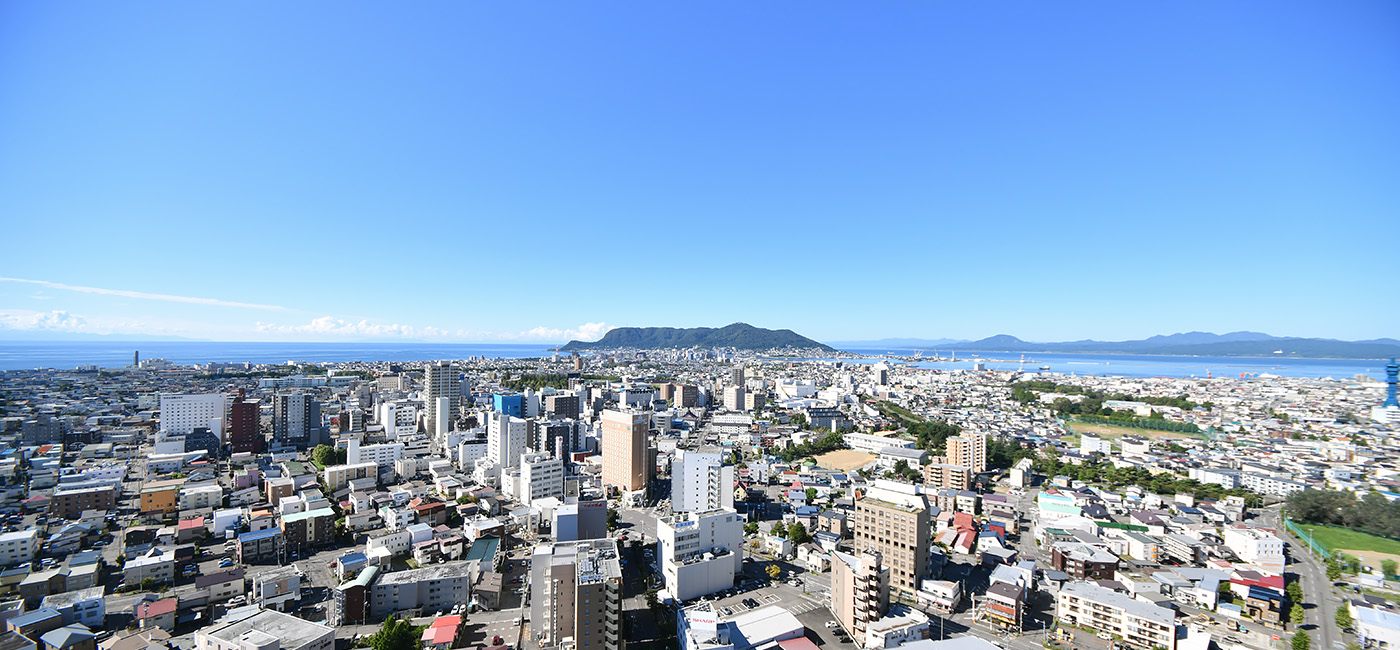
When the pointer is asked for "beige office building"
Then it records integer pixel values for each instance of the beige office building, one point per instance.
(576, 595)
(968, 450)
(893, 520)
(860, 592)
(625, 449)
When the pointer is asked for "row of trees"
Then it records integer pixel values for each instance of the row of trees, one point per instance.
(326, 455)
(829, 442)
(1372, 513)
(536, 381)
(1163, 483)
(1028, 391)
(1154, 422)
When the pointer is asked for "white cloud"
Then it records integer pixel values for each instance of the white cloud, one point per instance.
(336, 327)
(330, 326)
(584, 332)
(56, 320)
(143, 295)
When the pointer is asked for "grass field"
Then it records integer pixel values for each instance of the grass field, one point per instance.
(1336, 539)
(1111, 431)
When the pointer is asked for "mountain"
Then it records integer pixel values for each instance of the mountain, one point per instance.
(737, 335)
(896, 343)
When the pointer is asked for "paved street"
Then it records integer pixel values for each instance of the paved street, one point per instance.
(1318, 594)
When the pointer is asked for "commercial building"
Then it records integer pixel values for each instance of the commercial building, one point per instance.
(441, 380)
(968, 450)
(505, 439)
(860, 591)
(869, 442)
(182, 413)
(70, 504)
(701, 627)
(576, 594)
(338, 476)
(701, 481)
(893, 520)
(625, 449)
(1138, 623)
(265, 630)
(296, 417)
(541, 476)
(700, 553)
(436, 588)
(160, 497)
(1254, 545)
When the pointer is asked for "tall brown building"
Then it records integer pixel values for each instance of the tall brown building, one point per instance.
(625, 449)
(968, 450)
(892, 520)
(244, 428)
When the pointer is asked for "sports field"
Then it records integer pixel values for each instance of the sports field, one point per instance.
(844, 459)
(1111, 431)
(1350, 541)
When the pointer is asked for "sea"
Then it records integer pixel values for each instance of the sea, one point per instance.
(25, 355)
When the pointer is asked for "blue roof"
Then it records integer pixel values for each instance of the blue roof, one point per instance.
(1262, 593)
(484, 549)
(257, 535)
(29, 618)
(806, 511)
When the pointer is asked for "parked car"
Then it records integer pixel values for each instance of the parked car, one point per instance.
(1104, 635)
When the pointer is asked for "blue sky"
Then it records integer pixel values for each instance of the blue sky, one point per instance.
(539, 171)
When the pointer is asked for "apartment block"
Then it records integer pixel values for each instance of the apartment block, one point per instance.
(576, 594)
(860, 591)
(1138, 623)
(700, 553)
(893, 520)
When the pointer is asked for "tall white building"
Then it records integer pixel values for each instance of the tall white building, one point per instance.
(505, 439)
(182, 413)
(700, 552)
(1254, 545)
(541, 476)
(380, 454)
(397, 416)
(440, 381)
(701, 481)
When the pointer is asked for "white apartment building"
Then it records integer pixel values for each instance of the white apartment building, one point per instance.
(700, 552)
(700, 481)
(1140, 624)
(18, 547)
(541, 476)
(873, 443)
(202, 496)
(441, 382)
(1092, 444)
(383, 454)
(338, 476)
(182, 413)
(398, 417)
(1264, 484)
(1254, 545)
(505, 439)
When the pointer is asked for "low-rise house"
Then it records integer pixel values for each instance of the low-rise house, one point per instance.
(157, 613)
(222, 585)
(84, 606)
(153, 565)
(69, 637)
(277, 588)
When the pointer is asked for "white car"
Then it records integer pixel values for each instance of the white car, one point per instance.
(830, 624)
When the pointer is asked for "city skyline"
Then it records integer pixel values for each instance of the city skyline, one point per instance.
(323, 173)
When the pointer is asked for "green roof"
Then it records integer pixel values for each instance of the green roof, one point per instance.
(484, 549)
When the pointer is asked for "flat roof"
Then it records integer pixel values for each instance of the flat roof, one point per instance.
(292, 631)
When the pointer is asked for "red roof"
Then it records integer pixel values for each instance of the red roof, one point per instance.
(196, 522)
(800, 643)
(964, 522)
(452, 621)
(147, 609)
(440, 634)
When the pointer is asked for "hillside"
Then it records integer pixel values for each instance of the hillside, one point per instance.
(1234, 344)
(738, 335)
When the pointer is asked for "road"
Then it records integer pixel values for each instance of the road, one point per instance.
(1317, 589)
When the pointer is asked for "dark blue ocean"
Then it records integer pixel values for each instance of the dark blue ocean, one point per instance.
(20, 355)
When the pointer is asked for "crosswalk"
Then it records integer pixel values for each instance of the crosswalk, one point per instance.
(802, 607)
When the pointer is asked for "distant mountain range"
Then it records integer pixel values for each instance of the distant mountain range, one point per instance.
(1233, 344)
(737, 335)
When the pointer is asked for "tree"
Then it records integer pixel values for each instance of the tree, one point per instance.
(811, 496)
(1334, 570)
(773, 571)
(798, 533)
(1295, 613)
(612, 519)
(1301, 641)
(1343, 618)
(778, 529)
(1388, 567)
(1294, 591)
(751, 528)
(395, 634)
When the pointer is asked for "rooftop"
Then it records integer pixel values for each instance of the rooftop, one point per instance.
(292, 631)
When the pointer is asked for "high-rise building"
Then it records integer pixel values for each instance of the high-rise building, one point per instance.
(576, 594)
(244, 425)
(736, 376)
(968, 450)
(892, 519)
(735, 399)
(181, 413)
(509, 404)
(860, 591)
(701, 552)
(701, 481)
(555, 437)
(625, 449)
(562, 405)
(541, 476)
(295, 417)
(505, 439)
(440, 380)
(685, 395)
